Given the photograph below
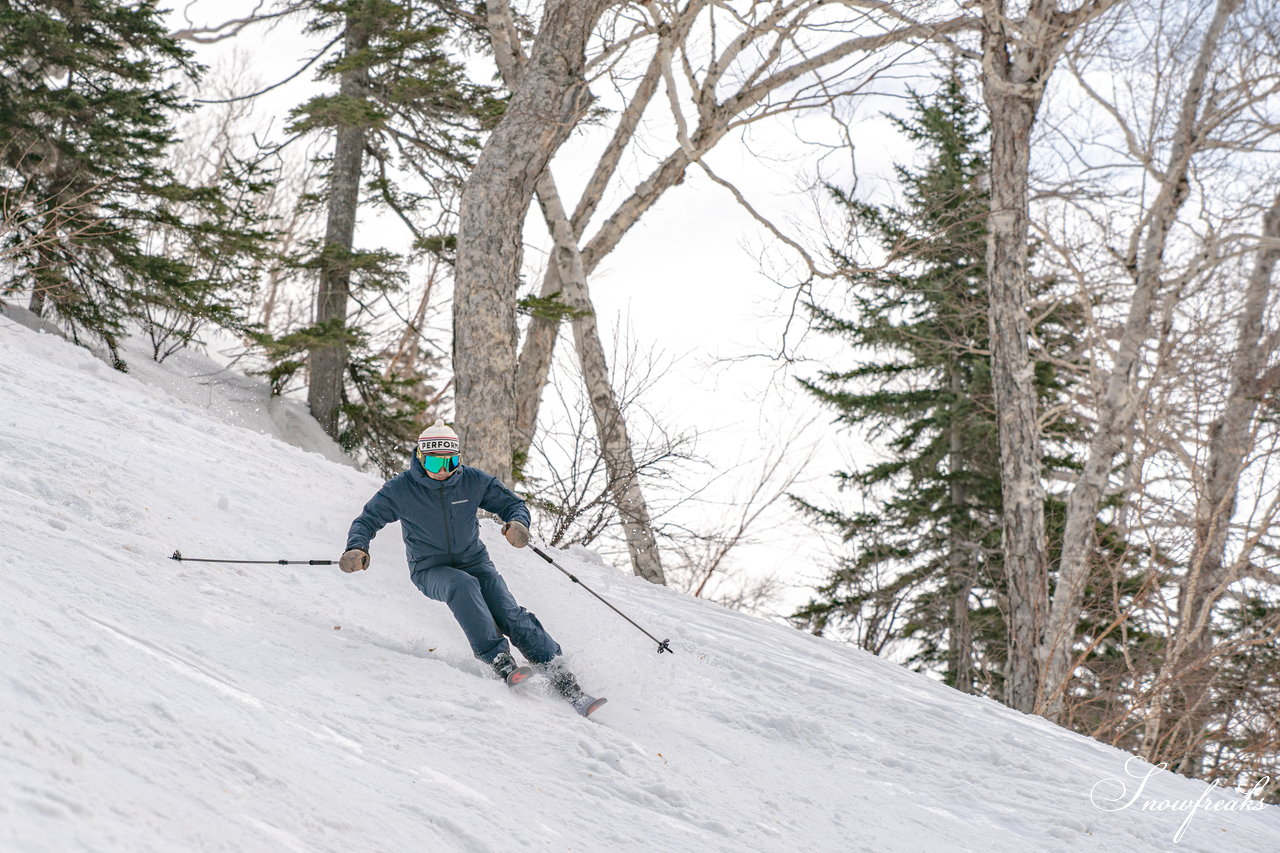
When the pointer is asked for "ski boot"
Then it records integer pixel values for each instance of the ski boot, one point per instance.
(564, 683)
(507, 669)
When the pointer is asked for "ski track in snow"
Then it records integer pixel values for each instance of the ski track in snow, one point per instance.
(150, 705)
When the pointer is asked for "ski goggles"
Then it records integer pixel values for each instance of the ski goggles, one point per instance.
(438, 464)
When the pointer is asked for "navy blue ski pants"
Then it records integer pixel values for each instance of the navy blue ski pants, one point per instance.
(486, 610)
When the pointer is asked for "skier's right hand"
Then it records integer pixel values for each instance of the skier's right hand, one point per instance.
(354, 560)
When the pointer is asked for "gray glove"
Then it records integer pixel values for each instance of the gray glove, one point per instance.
(517, 534)
(354, 560)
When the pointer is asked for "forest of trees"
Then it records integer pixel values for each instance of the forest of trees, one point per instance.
(1056, 318)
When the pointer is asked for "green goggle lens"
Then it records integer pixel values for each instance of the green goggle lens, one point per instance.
(437, 464)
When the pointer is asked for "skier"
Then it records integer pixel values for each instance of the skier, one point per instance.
(435, 501)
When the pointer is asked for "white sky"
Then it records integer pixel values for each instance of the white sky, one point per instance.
(692, 281)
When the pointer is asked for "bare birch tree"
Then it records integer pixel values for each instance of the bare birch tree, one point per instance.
(611, 427)
(1210, 571)
(765, 63)
(755, 53)
(576, 503)
(1019, 53)
(1171, 129)
(1121, 398)
(546, 106)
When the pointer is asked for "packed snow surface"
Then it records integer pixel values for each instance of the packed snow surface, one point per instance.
(150, 705)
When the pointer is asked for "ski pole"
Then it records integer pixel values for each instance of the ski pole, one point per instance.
(177, 555)
(663, 645)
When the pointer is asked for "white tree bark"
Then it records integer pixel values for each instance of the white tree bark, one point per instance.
(960, 570)
(1018, 55)
(540, 336)
(1012, 85)
(540, 115)
(611, 429)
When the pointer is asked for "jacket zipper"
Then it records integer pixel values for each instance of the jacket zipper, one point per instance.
(448, 534)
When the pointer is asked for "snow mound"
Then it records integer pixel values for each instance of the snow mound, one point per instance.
(150, 705)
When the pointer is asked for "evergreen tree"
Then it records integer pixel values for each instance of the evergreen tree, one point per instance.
(87, 103)
(926, 566)
(404, 113)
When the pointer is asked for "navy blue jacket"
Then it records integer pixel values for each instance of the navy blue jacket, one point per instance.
(437, 518)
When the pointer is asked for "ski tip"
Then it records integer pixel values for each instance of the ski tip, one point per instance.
(592, 707)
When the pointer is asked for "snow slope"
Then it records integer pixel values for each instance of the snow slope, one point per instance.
(151, 705)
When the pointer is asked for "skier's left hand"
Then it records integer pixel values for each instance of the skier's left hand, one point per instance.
(517, 534)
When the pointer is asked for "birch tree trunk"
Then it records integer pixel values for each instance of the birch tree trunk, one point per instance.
(1012, 86)
(615, 443)
(36, 305)
(1121, 398)
(1018, 56)
(533, 367)
(540, 337)
(328, 362)
(1209, 573)
(1015, 396)
(539, 117)
(611, 428)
